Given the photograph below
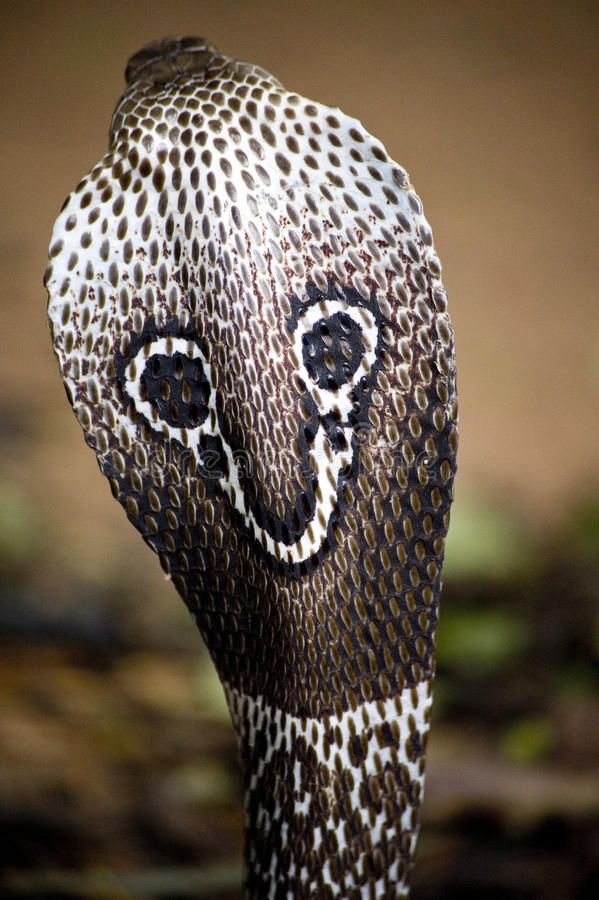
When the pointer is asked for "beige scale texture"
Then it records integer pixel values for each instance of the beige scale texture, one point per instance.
(248, 314)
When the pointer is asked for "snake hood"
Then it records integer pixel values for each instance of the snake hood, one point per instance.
(248, 314)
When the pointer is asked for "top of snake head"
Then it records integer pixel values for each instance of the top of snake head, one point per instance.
(169, 58)
(247, 309)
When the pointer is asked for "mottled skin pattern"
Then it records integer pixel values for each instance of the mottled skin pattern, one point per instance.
(247, 310)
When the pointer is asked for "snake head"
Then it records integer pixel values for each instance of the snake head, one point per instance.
(248, 314)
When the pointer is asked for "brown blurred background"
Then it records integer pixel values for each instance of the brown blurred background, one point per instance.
(117, 768)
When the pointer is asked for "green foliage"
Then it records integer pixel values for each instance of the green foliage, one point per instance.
(485, 542)
(584, 530)
(485, 639)
(18, 525)
(211, 782)
(528, 741)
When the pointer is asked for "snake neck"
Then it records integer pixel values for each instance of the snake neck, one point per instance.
(331, 803)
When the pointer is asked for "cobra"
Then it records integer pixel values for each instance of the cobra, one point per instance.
(249, 318)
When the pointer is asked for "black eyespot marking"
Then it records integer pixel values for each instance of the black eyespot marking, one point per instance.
(332, 350)
(335, 432)
(213, 460)
(177, 388)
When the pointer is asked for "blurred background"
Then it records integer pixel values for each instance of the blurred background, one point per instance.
(118, 775)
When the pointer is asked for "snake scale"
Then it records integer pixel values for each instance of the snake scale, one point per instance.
(249, 318)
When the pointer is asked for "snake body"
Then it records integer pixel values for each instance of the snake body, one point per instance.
(248, 314)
